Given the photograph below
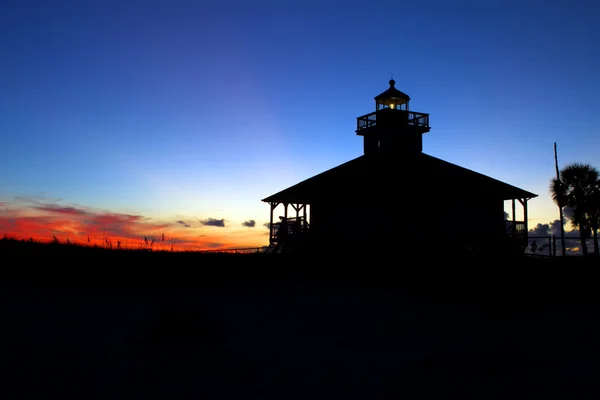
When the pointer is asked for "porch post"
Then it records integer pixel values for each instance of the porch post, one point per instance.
(285, 216)
(525, 217)
(525, 224)
(271, 223)
(514, 220)
(305, 221)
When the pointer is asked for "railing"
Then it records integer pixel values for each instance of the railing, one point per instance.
(517, 230)
(414, 119)
(550, 246)
(366, 121)
(539, 246)
(290, 226)
(242, 250)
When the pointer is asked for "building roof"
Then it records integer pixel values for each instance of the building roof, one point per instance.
(356, 175)
(392, 93)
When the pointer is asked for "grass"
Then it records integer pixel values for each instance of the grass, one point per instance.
(512, 279)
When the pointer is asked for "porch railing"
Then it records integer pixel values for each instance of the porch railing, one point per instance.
(516, 229)
(289, 226)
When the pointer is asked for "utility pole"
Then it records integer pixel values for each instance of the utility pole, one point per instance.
(560, 206)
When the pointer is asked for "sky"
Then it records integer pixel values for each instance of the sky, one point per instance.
(171, 120)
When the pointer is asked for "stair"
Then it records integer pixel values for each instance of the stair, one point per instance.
(274, 247)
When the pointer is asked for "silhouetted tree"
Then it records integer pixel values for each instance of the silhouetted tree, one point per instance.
(594, 216)
(576, 189)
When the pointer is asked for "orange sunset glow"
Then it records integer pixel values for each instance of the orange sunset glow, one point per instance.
(45, 222)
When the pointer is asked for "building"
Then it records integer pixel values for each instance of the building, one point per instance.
(396, 197)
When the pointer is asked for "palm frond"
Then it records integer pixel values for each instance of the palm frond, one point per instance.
(558, 192)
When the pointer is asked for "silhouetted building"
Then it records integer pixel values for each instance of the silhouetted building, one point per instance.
(396, 195)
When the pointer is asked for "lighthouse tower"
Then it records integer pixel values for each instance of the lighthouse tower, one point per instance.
(393, 127)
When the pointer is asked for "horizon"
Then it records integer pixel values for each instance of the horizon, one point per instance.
(176, 118)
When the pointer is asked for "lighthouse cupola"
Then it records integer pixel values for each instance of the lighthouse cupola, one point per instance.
(392, 127)
(392, 98)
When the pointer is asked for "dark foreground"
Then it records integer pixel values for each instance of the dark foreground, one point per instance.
(78, 323)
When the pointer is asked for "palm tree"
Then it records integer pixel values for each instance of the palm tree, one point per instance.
(558, 194)
(594, 216)
(576, 187)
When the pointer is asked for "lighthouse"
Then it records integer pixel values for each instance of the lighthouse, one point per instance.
(392, 127)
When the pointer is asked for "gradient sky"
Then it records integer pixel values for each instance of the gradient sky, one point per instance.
(131, 118)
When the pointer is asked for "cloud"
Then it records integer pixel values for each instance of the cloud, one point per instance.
(568, 212)
(250, 224)
(540, 230)
(53, 208)
(552, 228)
(555, 230)
(182, 223)
(122, 224)
(215, 245)
(555, 227)
(267, 225)
(42, 220)
(36, 200)
(213, 222)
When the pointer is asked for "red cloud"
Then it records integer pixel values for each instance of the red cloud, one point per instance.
(49, 221)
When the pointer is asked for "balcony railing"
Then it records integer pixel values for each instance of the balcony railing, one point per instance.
(517, 229)
(289, 226)
(414, 119)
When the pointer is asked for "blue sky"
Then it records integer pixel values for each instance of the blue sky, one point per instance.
(191, 110)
